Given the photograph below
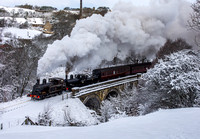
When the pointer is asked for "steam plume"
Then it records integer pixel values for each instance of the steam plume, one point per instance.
(142, 30)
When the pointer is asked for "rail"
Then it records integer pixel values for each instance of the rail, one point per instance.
(79, 91)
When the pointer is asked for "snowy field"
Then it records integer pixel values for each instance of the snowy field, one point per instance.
(22, 33)
(164, 124)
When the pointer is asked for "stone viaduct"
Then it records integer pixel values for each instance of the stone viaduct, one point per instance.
(93, 95)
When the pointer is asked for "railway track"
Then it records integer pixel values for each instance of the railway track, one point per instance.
(13, 107)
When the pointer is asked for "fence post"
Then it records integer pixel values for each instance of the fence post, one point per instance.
(1, 126)
(62, 96)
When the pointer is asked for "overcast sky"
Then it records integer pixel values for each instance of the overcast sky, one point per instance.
(60, 4)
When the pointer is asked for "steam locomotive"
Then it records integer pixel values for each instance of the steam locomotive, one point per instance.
(53, 87)
(57, 85)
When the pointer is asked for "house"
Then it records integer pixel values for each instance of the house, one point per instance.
(36, 22)
(47, 28)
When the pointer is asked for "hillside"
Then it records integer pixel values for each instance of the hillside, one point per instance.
(165, 124)
(33, 20)
(28, 32)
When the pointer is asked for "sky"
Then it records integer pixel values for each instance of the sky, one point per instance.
(60, 4)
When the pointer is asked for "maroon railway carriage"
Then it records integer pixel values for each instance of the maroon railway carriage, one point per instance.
(139, 67)
(111, 72)
(120, 71)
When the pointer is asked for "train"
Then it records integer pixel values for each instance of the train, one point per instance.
(57, 85)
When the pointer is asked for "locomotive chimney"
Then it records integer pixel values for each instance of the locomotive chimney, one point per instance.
(38, 81)
(44, 81)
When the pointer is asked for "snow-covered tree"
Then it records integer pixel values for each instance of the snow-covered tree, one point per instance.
(18, 72)
(123, 105)
(44, 118)
(85, 117)
(174, 82)
(195, 16)
(194, 23)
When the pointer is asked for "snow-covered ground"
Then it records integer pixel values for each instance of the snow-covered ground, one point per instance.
(21, 33)
(20, 20)
(16, 9)
(13, 113)
(164, 124)
(9, 33)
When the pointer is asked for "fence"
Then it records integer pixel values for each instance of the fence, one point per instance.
(13, 123)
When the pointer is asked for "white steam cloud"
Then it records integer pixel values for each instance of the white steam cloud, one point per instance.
(142, 30)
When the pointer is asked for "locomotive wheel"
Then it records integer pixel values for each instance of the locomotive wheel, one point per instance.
(43, 97)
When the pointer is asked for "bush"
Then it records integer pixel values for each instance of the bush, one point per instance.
(172, 83)
(44, 118)
(123, 105)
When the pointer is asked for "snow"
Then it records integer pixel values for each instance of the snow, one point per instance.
(79, 113)
(1, 65)
(32, 21)
(37, 21)
(23, 107)
(73, 12)
(164, 124)
(176, 76)
(21, 33)
(16, 10)
(103, 85)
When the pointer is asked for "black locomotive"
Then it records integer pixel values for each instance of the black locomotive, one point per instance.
(57, 85)
(53, 87)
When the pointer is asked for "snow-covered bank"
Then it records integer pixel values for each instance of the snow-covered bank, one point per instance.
(164, 124)
(13, 113)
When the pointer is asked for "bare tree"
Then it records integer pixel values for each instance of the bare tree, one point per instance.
(19, 69)
(171, 47)
(194, 23)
